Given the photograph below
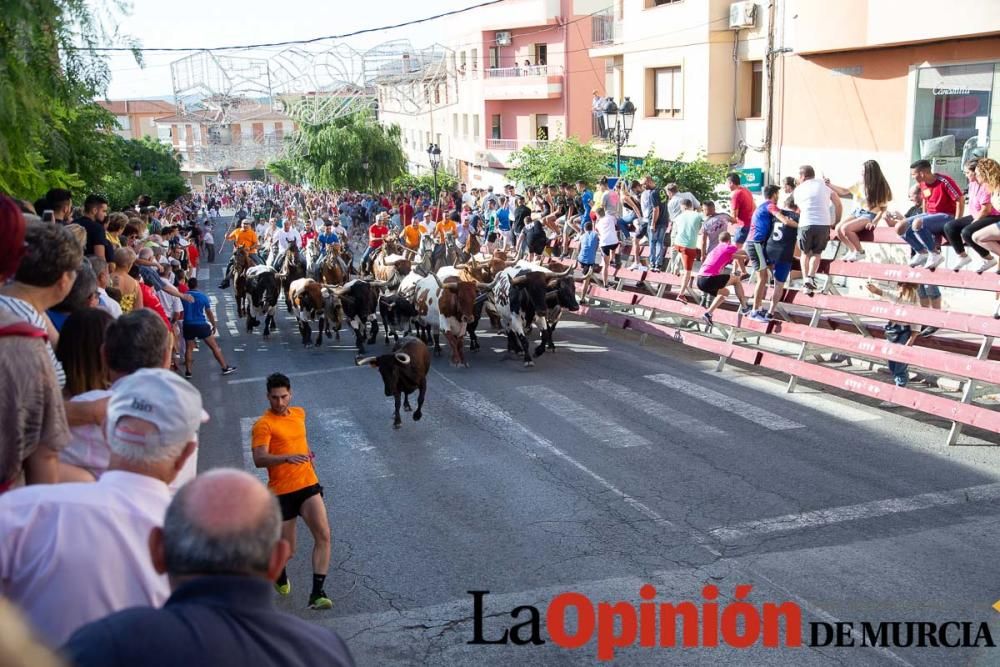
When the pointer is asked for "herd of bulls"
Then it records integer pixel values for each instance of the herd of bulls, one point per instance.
(516, 296)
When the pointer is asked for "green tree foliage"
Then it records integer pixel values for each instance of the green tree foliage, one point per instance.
(331, 155)
(424, 182)
(52, 133)
(699, 176)
(558, 161)
(160, 176)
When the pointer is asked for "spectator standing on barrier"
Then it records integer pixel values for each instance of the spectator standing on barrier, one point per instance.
(587, 257)
(780, 251)
(761, 226)
(687, 236)
(943, 202)
(654, 223)
(898, 332)
(813, 198)
(715, 223)
(279, 445)
(981, 215)
(872, 195)
(741, 204)
(714, 282)
(73, 553)
(607, 235)
(522, 217)
(675, 198)
(220, 547)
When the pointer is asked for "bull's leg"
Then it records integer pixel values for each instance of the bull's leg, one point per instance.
(527, 350)
(306, 330)
(420, 400)
(546, 342)
(552, 336)
(396, 421)
(406, 403)
(359, 338)
(437, 344)
(319, 334)
(374, 334)
(288, 300)
(268, 321)
(385, 328)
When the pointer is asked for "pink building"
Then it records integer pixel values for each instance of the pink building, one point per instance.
(520, 73)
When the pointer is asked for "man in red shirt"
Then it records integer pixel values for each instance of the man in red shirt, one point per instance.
(308, 234)
(193, 256)
(742, 206)
(943, 202)
(405, 211)
(376, 237)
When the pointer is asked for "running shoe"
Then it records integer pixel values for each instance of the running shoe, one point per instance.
(228, 370)
(320, 601)
(708, 318)
(851, 256)
(682, 299)
(962, 262)
(283, 589)
(809, 286)
(918, 259)
(934, 260)
(759, 316)
(188, 375)
(927, 330)
(746, 310)
(986, 264)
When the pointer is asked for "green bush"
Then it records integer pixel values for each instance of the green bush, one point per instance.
(424, 182)
(700, 177)
(559, 161)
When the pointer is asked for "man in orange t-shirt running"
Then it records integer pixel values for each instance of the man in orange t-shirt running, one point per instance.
(279, 444)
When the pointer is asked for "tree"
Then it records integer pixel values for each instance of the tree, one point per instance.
(425, 182)
(160, 175)
(52, 133)
(559, 161)
(331, 155)
(699, 176)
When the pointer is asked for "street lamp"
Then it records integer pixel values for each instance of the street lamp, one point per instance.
(619, 121)
(365, 165)
(137, 170)
(434, 157)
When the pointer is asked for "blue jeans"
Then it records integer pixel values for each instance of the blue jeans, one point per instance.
(925, 240)
(900, 371)
(656, 245)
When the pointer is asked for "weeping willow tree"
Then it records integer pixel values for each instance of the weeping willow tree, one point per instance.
(334, 154)
(52, 133)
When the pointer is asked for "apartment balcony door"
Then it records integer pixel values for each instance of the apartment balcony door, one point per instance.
(541, 54)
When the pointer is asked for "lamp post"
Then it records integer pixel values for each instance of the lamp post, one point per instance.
(366, 165)
(137, 170)
(434, 157)
(619, 122)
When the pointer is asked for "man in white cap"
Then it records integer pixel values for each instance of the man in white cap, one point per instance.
(73, 553)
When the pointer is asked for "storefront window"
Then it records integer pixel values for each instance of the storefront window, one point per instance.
(953, 113)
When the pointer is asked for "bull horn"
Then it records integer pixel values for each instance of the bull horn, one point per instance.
(566, 272)
(363, 361)
(517, 280)
(462, 267)
(488, 285)
(378, 283)
(402, 357)
(437, 280)
(551, 294)
(341, 291)
(589, 273)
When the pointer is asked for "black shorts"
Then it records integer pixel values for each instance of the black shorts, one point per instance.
(193, 331)
(758, 255)
(608, 250)
(711, 285)
(291, 503)
(813, 240)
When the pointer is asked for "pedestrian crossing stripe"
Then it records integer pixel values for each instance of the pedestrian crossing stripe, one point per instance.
(594, 425)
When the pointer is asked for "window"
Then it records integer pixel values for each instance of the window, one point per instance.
(465, 125)
(437, 93)
(475, 59)
(475, 126)
(454, 123)
(664, 92)
(123, 122)
(542, 127)
(495, 126)
(541, 54)
(756, 88)
(494, 57)
(660, 3)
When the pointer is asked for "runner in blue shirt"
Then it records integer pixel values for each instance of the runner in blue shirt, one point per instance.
(199, 322)
(761, 225)
(328, 236)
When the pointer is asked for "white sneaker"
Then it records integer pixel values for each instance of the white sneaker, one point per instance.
(962, 261)
(934, 260)
(851, 256)
(859, 256)
(635, 267)
(986, 264)
(918, 259)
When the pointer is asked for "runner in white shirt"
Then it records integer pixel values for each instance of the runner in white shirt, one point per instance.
(284, 237)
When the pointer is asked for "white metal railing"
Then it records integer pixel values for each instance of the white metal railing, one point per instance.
(513, 144)
(522, 70)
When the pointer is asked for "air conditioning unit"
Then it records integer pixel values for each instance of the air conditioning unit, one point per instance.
(503, 38)
(742, 15)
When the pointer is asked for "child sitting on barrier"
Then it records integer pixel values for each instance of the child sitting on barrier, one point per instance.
(588, 248)
(898, 332)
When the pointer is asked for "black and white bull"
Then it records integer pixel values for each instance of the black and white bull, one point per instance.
(262, 289)
(359, 300)
(520, 296)
(306, 298)
(403, 371)
(396, 312)
(562, 296)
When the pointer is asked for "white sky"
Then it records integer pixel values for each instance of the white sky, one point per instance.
(164, 23)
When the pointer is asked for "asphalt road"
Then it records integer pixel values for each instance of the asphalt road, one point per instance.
(607, 466)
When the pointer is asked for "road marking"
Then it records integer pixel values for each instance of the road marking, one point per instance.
(869, 510)
(337, 425)
(817, 401)
(246, 429)
(204, 274)
(757, 415)
(594, 425)
(657, 410)
(297, 375)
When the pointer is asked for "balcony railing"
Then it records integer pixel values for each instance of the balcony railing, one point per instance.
(522, 70)
(605, 28)
(513, 144)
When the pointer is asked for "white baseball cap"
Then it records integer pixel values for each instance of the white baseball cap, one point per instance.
(161, 398)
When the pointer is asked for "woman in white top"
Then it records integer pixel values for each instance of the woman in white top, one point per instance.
(871, 200)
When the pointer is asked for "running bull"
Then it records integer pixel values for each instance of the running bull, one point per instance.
(404, 370)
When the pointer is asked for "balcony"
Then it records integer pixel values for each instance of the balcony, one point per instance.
(513, 144)
(605, 28)
(526, 82)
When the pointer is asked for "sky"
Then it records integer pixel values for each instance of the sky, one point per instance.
(212, 23)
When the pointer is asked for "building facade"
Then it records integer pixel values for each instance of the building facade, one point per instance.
(521, 74)
(137, 118)
(892, 80)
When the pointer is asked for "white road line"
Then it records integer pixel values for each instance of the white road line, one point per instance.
(337, 425)
(594, 425)
(657, 410)
(482, 409)
(296, 375)
(869, 510)
(246, 427)
(757, 415)
(204, 273)
(817, 401)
